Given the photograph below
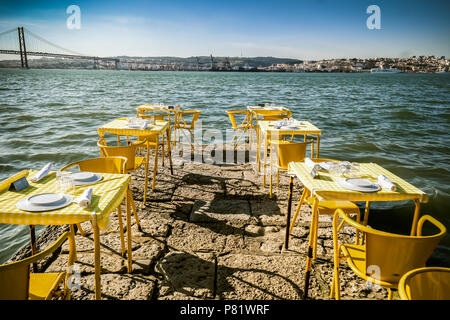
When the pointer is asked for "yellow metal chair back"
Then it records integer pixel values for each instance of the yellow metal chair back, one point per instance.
(385, 256)
(291, 151)
(16, 282)
(429, 283)
(245, 115)
(105, 165)
(275, 114)
(396, 255)
(128, 152)
(150, 114)
(183, 121)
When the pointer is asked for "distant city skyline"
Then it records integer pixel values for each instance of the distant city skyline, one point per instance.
(306, 30)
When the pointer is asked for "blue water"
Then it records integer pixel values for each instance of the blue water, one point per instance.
(400, 121)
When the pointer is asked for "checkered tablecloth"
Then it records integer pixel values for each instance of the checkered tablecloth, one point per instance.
(326, 187)
(305, 127)
(118, 126)
(106, 196)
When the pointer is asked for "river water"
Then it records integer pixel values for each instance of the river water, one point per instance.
(400, 121)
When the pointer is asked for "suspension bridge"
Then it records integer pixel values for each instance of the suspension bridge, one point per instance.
(23, 42)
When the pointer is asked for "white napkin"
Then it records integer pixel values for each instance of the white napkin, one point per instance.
(311, 164)
(144, 124)
(278, 124)
(327, 165)
(41, 174)
(84, 200)
(386, 183)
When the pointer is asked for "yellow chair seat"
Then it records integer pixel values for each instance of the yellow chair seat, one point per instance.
(43, 284)
(329, 207)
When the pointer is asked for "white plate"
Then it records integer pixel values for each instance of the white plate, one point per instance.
(37, 203)
(45, 199)
(93, 177)
(83, 176)
(133, 126)
(356, 184)
(290, 127)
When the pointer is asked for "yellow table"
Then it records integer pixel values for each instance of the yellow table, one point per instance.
(118, 127)
(325, 187)
(107, 195)
(268, 129)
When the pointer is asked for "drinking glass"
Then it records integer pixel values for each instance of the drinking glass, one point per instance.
(350, 170)
(65, 183)
(354, 170)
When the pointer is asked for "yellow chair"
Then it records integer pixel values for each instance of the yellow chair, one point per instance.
(157, 114)
(383, 257)
(133, 162)
(128, 152)
(160, 114)
(183, 123)
(18, 283)
(245, 125)
(429, 283)
(114, 164)
(287, 152)
(275, 114)
(106, 165)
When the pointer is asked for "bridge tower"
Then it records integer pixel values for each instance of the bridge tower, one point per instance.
(22, 48)
(96, 63)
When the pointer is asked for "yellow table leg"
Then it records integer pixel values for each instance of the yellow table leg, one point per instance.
(317, 147)
(265, 160)
(258, 147)
(270, 192)
(97, 266)
(155, 169)
(169, 150)
(129, 253)
(146, 172)
(122, 241)
(310, 248)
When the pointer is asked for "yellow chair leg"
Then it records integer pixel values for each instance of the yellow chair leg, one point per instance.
(297, 211)
(133, 206)
(81, 230)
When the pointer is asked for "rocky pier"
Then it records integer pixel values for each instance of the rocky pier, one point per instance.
(209, 231)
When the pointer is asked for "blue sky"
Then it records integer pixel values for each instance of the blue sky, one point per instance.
(303, 29)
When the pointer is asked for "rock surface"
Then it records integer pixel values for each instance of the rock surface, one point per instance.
(209, 231)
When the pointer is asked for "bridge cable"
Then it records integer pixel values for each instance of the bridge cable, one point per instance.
(54, 45)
